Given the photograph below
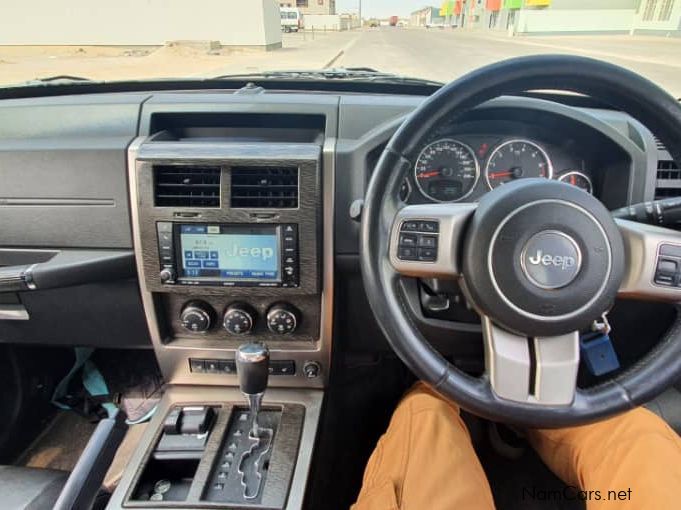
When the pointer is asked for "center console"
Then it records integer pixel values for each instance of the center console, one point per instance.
(232, 227)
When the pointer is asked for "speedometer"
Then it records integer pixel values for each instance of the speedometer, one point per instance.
(516, 159)
(446, 170)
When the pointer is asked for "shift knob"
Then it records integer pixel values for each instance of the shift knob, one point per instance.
(252, 367)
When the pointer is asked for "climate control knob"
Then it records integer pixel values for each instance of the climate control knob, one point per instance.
(239, 319)
(196, 316)
(282, 318)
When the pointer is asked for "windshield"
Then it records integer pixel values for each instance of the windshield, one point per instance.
(153, 39)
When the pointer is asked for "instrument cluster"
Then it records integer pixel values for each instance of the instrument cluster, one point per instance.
(461, 168)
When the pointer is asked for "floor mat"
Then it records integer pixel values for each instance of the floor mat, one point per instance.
(59, 446)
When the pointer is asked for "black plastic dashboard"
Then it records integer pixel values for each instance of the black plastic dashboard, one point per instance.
(65, 187)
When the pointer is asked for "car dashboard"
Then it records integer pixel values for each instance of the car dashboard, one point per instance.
(107, 199)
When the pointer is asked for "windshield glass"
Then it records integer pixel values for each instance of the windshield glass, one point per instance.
(441, 40)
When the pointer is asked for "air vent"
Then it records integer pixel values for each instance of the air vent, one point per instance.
(668, 179)
(264, 187)
(660, 145)
(187, 186)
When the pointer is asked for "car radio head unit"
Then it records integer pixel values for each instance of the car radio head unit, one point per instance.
(220, 254)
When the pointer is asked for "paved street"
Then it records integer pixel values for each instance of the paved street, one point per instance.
(439, 54)
(446, 54)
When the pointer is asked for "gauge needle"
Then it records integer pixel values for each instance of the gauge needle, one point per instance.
(573, 180)
(505, 173)
(432, 173)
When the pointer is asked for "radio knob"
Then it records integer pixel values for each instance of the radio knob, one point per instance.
(197, 316)
(239, 319)
(167, 274)
(283, 318)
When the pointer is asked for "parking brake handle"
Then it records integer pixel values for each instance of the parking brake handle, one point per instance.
(252, 366)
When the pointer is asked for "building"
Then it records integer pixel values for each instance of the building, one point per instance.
(311, 6)
(426, 17)
(661, 17)
(233, 23)
(547, 17)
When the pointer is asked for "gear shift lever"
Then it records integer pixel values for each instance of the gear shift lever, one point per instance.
(252, 367)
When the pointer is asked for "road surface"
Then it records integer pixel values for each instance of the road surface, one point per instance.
(444, 54)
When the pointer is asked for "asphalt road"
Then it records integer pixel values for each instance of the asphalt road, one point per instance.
(444, 54)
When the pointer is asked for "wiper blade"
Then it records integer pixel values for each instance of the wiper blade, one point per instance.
(62, 77)
(58, 79)
(350, 74)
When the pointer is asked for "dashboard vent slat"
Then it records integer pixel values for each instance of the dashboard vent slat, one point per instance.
(186, 186)
(668, 182)
(264, 187)
(659, 144)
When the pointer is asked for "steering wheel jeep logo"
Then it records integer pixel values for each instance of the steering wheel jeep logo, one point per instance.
(563, 262)
(551, 259)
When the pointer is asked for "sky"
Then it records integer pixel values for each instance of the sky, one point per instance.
(384, 8)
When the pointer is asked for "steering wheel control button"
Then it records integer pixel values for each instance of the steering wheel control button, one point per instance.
(420, 246)
(427, 254)
(427, 241)
(239, 319)
(667, 271)
(429, 226)
(282, 319)
(407, 253)
(551, 259)
(410, 226)
(408, 239)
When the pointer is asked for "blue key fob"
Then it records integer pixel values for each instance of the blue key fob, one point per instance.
(598, 353)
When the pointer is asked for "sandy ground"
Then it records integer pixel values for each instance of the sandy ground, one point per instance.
(23, 63)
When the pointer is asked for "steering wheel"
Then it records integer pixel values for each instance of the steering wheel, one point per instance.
(539, 260)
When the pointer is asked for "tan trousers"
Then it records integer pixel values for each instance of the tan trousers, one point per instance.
(426, 461)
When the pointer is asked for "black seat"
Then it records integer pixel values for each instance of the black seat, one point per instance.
(23, 488)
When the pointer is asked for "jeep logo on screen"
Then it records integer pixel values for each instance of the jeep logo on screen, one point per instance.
(551, 259)
(254, 252)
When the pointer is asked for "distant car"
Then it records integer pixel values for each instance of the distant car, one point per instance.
(373, 23)
(291, 19)
(393, 21)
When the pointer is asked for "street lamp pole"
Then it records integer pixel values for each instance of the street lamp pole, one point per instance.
(360, 13)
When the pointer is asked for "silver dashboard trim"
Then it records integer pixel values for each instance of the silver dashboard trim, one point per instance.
(173, 357)
(186, 396)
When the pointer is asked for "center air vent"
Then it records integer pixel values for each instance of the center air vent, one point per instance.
(187, 186)
(264, 187)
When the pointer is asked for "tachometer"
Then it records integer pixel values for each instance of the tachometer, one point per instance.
(578, 179)
(516, 159)
(446, 170)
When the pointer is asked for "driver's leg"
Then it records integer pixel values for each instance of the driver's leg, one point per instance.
(636, 452)
(425, 460)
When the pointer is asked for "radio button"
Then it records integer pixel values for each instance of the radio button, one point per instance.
(167, 275)
(164, 226)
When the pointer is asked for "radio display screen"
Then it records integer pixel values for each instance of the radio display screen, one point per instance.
(230, 252)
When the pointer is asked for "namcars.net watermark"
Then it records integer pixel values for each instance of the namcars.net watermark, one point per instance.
(572, 493)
